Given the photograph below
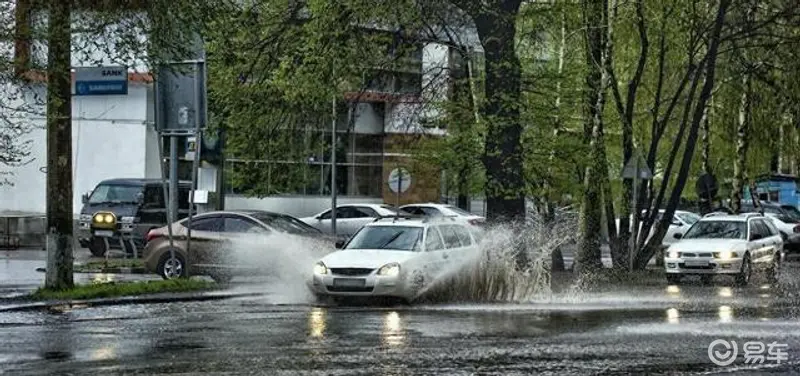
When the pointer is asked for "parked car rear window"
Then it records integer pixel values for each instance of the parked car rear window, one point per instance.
(285, 223)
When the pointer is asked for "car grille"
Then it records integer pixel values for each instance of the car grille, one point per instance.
(705, 267)
(351, 271)
(349, 289)
(695, 254)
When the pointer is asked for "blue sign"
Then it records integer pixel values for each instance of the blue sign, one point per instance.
(101, 87)
(101, 81)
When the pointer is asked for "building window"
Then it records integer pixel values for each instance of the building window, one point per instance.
(359, 169)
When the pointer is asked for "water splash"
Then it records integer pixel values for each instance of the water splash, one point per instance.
(493, 272)
(285, 259)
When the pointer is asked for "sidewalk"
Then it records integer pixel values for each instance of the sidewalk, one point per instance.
(18, 275)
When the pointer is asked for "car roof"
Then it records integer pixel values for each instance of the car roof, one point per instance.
(730, 217)
(249, 212)
(137, 181)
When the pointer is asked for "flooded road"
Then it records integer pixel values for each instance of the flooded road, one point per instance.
(645, 330)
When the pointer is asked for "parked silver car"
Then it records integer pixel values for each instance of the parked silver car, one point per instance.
(350, 218)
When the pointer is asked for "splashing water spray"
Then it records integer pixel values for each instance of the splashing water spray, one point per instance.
(492, 271)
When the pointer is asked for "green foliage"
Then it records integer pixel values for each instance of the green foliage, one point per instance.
(117, 289)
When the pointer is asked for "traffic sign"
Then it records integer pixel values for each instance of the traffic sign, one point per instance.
(637, 167)
(101, 81)
(399, 180)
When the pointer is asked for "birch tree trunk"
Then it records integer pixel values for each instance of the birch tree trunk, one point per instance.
(742, 144)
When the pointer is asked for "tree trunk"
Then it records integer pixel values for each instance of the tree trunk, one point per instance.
(742, 146)
(549, 208)
(59, 148)
(589, 254)
(505, 186)
(709, 66)
(705, 154)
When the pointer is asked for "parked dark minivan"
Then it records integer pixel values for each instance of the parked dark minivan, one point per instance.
(126, 209)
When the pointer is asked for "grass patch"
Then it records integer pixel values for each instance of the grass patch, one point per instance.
(94, 266)
(116, 289)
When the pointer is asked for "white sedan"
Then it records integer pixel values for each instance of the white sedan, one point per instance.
(392, 258)
(350, 218)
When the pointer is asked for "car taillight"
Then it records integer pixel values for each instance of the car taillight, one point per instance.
(152, 234)
(796, 229)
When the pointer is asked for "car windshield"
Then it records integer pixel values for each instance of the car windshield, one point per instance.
(285, 223)
(792, 212)
(109, 193)
(396, 238)
(459, 211)
(689, 218)
(717, 230)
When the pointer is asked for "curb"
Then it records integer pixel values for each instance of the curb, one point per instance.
(120, 270)
(146, 299)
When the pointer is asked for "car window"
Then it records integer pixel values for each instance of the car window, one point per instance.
(463, 235)
(115, 193)
(208, 224)
(327, 214)
(450, 237)
(153, 197)
(433, 240)
(288, 224)
(365, 212)
(756, 229)
(712, 229)
(240, 225)
(791, 212)
(430, 212)
(459, 211)
(771, 227)
(414, 210)
(764, 228)
(393, 238)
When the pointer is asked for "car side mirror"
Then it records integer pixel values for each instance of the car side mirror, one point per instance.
(340, 243)
(677, 235)
(140, 198)
(85, 197)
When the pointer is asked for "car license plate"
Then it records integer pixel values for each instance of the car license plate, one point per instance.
(104, 233)
(696, 263)
(349, 282)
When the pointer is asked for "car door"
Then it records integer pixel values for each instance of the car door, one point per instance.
(434, 248)
(771, 243)
(467, 242)
(757, 241)
(244, 240)
(205, 239)
(452, 243)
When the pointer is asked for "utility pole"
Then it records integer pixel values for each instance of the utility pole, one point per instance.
(59, 147)
(333, 166)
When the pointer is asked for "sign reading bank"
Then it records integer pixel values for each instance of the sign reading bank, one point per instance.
(101, 81)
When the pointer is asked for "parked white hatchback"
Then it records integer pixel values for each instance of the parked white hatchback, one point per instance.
(393, 257)
(721, 244)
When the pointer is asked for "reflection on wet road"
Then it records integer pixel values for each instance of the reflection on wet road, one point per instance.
(659, 329)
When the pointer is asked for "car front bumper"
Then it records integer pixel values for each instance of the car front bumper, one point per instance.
(702, 265)
(372, 285)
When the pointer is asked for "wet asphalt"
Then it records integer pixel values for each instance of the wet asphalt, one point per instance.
(650, 329)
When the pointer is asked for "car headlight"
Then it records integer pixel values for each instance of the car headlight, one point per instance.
(390, 270)
(673, 254)
(724, 255)
(320, 268)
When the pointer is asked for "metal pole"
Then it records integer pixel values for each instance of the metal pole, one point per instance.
(635, 229)
(198, 140)
(399, 184)
(166, 199)
(333, 167)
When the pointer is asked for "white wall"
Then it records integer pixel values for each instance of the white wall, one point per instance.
(109, 140)
(296, 206)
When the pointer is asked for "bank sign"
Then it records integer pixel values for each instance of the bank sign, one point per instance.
(101, 81)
